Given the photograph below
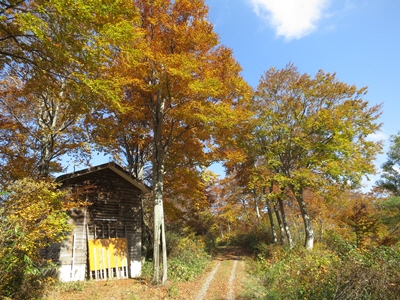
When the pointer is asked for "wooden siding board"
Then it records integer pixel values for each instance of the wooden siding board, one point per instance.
(114, 211)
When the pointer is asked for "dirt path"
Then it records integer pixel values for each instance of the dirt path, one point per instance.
(226, 278)
(222, 280)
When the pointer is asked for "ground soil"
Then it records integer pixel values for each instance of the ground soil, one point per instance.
(222, 279)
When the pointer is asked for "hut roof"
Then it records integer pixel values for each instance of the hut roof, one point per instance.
(111, 166)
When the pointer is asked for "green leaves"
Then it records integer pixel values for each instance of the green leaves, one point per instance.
(390, 181)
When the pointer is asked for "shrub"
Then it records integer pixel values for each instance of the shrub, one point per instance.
(210, 240)
(147, 269)
(325, 274)
(372, 274)
(187, 256)
(338, 244)
(302, 274)
(255, 241)
(31, 218)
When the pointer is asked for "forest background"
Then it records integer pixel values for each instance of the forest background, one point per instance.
(149, 84)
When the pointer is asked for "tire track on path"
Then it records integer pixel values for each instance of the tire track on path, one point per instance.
(206, 285)
(220, 282)
(231, 279)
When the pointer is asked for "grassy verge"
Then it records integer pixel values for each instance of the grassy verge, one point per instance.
(324, 274)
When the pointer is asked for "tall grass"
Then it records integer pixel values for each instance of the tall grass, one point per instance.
(326, 274)
(187, 257)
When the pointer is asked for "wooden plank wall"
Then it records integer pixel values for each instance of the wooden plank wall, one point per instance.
(114, 212)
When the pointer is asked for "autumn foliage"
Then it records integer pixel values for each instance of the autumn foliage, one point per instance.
(149, 84)
(32, 217)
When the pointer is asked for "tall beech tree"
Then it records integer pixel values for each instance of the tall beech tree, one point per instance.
(252, 173)
(188, 84)
(83, 36)
(45, 120)
(313, 133)
(258, 182)
(55, 58)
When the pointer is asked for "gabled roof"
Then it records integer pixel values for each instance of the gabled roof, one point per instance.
(111, 166)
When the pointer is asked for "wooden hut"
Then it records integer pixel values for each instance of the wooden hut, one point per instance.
(106, 238)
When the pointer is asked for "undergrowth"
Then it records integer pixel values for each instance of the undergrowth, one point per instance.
(325, 274)
(187, 258)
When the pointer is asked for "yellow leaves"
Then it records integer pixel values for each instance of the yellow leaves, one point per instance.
(361, 215)
(31, 218)
(120, 56)
(234, 155)
(210, 87)
(209, 177)
(316, 124)
(30, 23)
(36, 209)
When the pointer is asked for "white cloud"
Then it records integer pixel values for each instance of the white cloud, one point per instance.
(378, 137)
(292, 19)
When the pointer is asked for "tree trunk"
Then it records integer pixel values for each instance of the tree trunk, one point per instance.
(285, 224)
(279, 220)
(245, 210)
(271, 222)
(164, 252)
(158, 189)
(135, 158)
(256, 209)
(145, 234)
(46, 153)
(47, 121)
(158, 227)
(309, 232)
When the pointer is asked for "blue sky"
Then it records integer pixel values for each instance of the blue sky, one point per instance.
(357, 39)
